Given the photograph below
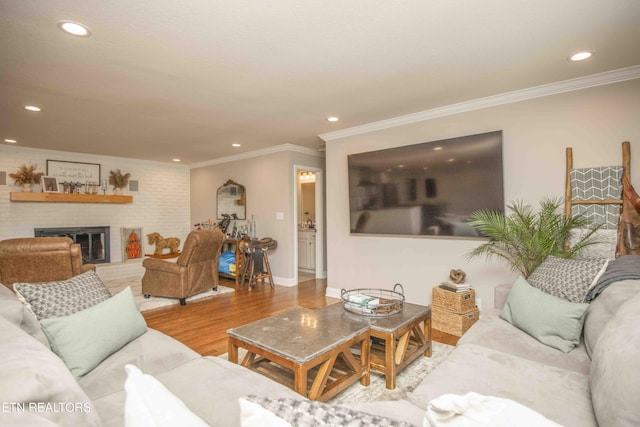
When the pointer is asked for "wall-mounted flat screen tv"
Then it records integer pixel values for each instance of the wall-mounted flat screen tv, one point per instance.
(427, 189)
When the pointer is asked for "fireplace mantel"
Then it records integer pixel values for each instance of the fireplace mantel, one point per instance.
(24, 196)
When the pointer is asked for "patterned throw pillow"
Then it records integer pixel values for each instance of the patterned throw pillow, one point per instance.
(569, 279)
(63, 298)
(298, 412)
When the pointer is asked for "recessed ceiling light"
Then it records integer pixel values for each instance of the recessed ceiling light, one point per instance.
(235, 145)
(32, 108)
(74, 28)
(581, 56)
(332, 119)
(176, 160)
(10, 141)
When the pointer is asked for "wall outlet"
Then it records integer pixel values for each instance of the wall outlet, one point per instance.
(479, 303)
(280, 216)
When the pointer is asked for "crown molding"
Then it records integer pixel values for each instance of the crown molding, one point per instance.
(570, 85)
(257, 153)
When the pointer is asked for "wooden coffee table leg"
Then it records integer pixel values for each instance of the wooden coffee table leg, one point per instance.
(389, 360)
(233, 352)
(365, 358)
(322, 376)
(300, 380)
(427, 334)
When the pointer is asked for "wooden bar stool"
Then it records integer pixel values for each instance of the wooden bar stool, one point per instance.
(256, 261)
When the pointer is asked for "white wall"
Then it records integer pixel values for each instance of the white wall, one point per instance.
(268, 180)
(536, 132)
(161, 203)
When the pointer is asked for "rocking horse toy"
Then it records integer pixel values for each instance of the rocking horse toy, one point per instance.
(172, 243)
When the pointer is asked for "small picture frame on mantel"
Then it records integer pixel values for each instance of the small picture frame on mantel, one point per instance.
(49, 184)
(132, 243)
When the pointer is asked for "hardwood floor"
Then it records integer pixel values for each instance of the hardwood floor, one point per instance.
(202, 325)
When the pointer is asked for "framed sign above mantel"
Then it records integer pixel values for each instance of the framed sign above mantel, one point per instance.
(73, 171)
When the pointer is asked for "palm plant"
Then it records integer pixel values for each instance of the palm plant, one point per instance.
(525, 238)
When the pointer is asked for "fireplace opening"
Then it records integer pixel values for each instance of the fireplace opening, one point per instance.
(93, 241)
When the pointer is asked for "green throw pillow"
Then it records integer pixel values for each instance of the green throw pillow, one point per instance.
(552, 321)
(86, 338)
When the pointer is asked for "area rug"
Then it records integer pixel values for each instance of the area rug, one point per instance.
(151, 303)
(406, 381)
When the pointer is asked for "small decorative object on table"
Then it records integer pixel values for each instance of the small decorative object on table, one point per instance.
(456, 282)
(172, 243)
(374, 302)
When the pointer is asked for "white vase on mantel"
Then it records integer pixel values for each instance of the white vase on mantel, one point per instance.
(26, 188)
(117, 191)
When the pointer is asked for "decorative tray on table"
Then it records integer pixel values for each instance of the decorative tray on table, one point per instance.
(374, 302)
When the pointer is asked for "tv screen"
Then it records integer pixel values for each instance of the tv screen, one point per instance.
(427, 189)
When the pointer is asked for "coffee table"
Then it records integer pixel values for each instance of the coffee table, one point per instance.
(398, 339)
(309, 351)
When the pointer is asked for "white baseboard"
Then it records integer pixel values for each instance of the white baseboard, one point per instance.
(334, 292)
(285, 281)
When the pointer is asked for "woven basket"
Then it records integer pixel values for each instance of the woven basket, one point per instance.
(457, 302)
(453, 323)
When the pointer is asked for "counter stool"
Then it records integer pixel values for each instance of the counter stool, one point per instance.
(257, 262)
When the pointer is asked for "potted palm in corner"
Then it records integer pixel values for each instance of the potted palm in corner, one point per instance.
(525, 237)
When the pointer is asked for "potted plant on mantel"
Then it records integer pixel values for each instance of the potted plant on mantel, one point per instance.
(118, 180)
(525, 238)
(26, 176)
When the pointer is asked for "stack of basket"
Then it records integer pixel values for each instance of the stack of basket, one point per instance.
(453, 312)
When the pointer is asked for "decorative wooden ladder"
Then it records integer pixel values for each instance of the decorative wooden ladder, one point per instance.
(627, 211)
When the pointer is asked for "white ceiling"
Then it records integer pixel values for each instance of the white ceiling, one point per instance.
(160, 79)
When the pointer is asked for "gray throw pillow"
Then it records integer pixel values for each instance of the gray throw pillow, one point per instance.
(569, 279)
(615, 389)
(300, 412)
(63, 298)
(552, 321)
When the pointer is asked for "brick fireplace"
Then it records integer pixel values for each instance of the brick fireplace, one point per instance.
(94, 241)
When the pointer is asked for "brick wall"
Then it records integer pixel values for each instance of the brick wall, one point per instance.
(162, 203)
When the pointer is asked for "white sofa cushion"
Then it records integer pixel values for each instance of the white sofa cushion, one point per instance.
(558, 394)
(149, 403)
(493, 332)
(12, 309)
(615, 388)
(34, 377)
(604, 307)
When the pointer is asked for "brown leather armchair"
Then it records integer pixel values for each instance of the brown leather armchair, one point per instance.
(40, 259)
(195, 270)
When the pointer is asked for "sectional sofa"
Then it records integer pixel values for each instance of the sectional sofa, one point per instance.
(152, 375)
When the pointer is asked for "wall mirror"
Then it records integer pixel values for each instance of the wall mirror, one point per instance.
(231, 199)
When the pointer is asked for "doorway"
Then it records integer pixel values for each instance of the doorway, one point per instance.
(309, 228)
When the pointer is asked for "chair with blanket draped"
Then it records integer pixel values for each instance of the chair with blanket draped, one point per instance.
(194, 271)
(39, 260)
